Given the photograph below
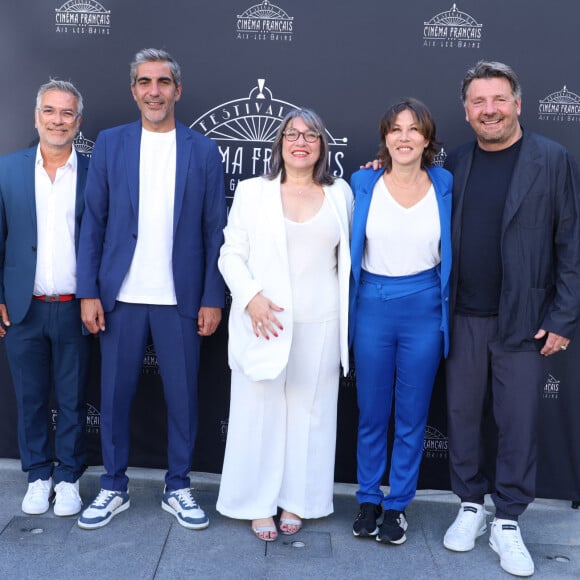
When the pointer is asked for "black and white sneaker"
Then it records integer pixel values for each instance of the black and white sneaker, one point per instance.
(368, 520)
(393, 528)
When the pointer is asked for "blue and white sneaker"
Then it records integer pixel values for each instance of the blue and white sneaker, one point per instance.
(183, 506)
(106, 505)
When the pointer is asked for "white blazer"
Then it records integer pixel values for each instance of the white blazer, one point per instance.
(254, 259)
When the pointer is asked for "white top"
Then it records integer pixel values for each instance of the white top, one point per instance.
(150, 277)
(312, 258)
(401, 241)
(55, 218)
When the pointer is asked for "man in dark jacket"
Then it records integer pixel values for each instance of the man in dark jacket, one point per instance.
(515, 293)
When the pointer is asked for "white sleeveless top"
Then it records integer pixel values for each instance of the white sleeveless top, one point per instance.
(312, 257)
(401, 241)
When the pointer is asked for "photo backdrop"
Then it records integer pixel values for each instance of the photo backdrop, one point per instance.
(246, 63)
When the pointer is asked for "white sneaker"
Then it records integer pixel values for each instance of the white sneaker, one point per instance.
(67, 501)
(506, 541)
(35, 501)
(105, 506)
(468, 526)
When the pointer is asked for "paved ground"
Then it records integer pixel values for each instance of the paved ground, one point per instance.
(146, 542)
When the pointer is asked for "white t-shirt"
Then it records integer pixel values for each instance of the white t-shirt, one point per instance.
(150, 277)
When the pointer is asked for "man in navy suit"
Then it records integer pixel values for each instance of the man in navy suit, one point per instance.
(515, 293)
(41, 202)
(150, 240)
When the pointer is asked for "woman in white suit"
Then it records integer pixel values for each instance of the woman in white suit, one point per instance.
(286, 262)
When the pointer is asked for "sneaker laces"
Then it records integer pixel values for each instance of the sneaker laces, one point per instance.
(465, 521)
(513, 542)
(104, 496)
(185, 497)
(36, 489)
(68, 490)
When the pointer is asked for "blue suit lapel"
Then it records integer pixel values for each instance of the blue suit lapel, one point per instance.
(28, 181)
(132, 146)
(82, 170)
(184, 145)
(362, 203)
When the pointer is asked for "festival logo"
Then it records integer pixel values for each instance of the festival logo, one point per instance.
(53, 417)
(551, 388)
(224, 430)
(244, 130)
(561, 106)
(264, 21)
(440, 157)
(150, 364)
(435, 444)
(93, 424)
(83, 145)
(82, 17)
(452, 29)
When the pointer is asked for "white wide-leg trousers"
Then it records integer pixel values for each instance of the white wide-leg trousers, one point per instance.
(282, 433)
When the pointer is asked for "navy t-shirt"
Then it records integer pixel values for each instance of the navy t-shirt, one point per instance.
(480, 265)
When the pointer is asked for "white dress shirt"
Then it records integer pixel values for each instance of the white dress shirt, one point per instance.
(55, 217)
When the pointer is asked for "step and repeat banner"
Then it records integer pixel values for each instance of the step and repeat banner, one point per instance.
(245, 64)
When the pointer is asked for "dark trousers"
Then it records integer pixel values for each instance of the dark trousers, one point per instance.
(480, 372)
(123, 343)
(48, 350)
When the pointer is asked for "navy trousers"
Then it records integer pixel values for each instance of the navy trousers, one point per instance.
(47, 351)
(479, 369)
(398, 333)
(123, 343)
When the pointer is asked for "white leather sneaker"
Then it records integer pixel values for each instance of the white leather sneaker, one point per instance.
(506, 541)
(468, 526)
(35, 501)
(68, 500)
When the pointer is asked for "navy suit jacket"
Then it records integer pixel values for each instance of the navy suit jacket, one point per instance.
(540, 241)
(109, 229)
(363, 183)
(18, 227)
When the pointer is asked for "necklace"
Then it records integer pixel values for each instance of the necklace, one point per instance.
(300, 190)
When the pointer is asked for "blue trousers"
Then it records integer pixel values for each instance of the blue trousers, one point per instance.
(123, 343)
(47, 351)
(397, 345)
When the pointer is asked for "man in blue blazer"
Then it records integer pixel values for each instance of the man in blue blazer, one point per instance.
(150, 240)
(515, 299)
(41, 202)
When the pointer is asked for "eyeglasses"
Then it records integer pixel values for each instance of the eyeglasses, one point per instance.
(293, 135)
(67, 115)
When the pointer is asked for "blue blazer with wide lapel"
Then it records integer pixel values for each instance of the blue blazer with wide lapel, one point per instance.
(363, 183)
(18, 227)
(110, 226)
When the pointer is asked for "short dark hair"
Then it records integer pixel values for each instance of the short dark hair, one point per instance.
(486, 69)
(321, 173)
(155, 55)
(426, 125)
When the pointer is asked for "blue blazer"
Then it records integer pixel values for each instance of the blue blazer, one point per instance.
(109, 229)
(363, 183)
(18, 227)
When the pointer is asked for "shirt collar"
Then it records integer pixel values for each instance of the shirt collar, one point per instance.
(71, 162)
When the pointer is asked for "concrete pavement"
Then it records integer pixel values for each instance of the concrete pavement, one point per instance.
(147, 543)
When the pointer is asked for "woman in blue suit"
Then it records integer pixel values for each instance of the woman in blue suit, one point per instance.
(401, 259)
